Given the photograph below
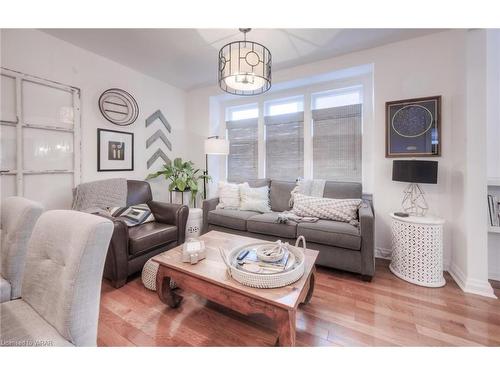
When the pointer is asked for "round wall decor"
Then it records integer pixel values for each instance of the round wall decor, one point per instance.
(118, 107)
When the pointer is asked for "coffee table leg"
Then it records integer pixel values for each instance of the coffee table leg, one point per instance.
(312, 280)
(286, 328)
(166, 294)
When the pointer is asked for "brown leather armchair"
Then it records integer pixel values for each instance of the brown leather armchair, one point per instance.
(131, 247)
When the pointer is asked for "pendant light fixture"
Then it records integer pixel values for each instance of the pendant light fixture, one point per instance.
(244, 67)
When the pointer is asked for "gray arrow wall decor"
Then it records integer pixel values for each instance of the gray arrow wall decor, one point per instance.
(158, 154)
(158, 115)
(159, 135)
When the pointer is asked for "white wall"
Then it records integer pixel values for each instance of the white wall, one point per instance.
(425, 66)
(493, 120)
(470, 254)
(37, 53)
(493, 102)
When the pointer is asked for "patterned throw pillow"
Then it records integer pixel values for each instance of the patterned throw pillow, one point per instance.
(133, 215)
(229, 196)
(254, 199)
(326, 208)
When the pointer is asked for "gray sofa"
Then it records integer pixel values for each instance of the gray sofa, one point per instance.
(340, 245)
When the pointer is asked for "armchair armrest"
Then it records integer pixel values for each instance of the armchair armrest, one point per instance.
(367, 229)
(207, 206)
(116, 266)
(172, 214)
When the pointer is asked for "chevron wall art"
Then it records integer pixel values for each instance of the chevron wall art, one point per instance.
(158, 154)
(159, 134)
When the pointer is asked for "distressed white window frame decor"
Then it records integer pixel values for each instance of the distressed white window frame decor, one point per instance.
(68, 122)
(309, 93)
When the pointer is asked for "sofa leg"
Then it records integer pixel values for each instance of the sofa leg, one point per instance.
(366, 278)
(118, 283)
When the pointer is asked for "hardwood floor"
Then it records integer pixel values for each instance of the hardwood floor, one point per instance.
(344, 311)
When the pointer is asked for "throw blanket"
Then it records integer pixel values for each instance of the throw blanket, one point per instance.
(286, 216)
(326, 208)
(97, 196)
(313, 188)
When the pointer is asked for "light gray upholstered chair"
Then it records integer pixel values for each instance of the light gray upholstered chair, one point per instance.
(60, 296)
(18, 219)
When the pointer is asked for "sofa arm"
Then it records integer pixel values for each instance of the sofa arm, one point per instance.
(116, 266)
(173, 214)
(367, 228)
(207, 206)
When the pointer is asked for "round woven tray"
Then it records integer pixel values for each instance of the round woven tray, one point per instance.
(266, 280)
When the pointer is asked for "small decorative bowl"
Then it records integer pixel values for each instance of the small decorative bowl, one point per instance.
(272, 252)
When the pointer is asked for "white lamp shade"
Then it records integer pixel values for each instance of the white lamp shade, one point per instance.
(216, 146)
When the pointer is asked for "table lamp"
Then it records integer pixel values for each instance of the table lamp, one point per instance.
(213, 146)
(415, 172)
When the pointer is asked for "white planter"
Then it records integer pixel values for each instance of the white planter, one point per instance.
(194, 223)
(179, 197)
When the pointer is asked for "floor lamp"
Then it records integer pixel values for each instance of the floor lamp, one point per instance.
(213, 146)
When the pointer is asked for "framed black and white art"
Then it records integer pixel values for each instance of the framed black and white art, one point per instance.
(413, 127)
(115, 150)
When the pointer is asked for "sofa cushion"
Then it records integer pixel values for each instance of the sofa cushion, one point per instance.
(4, 290)
(150, 235)
(234, 219)
(229, 196)
(22, 326)
(254, 199)
(280, 195)
(333, 233)
(259, 182)
(266, 224)
(342, 190)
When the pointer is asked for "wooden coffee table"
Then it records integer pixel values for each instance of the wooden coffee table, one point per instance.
(209, 279)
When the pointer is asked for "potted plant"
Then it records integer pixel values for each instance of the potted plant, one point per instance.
(182, 177)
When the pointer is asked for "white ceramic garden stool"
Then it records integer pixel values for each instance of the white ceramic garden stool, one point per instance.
(194, 223)
(417, 250)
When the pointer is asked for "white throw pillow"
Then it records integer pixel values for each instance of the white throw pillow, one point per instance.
(229, 196)
(327, 208)
(254, 199)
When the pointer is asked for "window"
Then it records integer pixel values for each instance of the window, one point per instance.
(284, 135)
(337, 130)
(337, 98)
(284, 106)
(242, 112)
(277, 126)
(241, 125)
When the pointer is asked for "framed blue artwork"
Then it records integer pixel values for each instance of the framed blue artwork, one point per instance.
(413, 127)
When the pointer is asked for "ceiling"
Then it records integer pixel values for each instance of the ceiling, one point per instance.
(187, 58)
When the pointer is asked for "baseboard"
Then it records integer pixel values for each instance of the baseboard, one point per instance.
(469, 285)
(383, 253)
(495, 275)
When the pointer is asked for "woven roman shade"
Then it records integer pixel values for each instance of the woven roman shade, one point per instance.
(285, 146)
(337, 143)
(243, 150)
